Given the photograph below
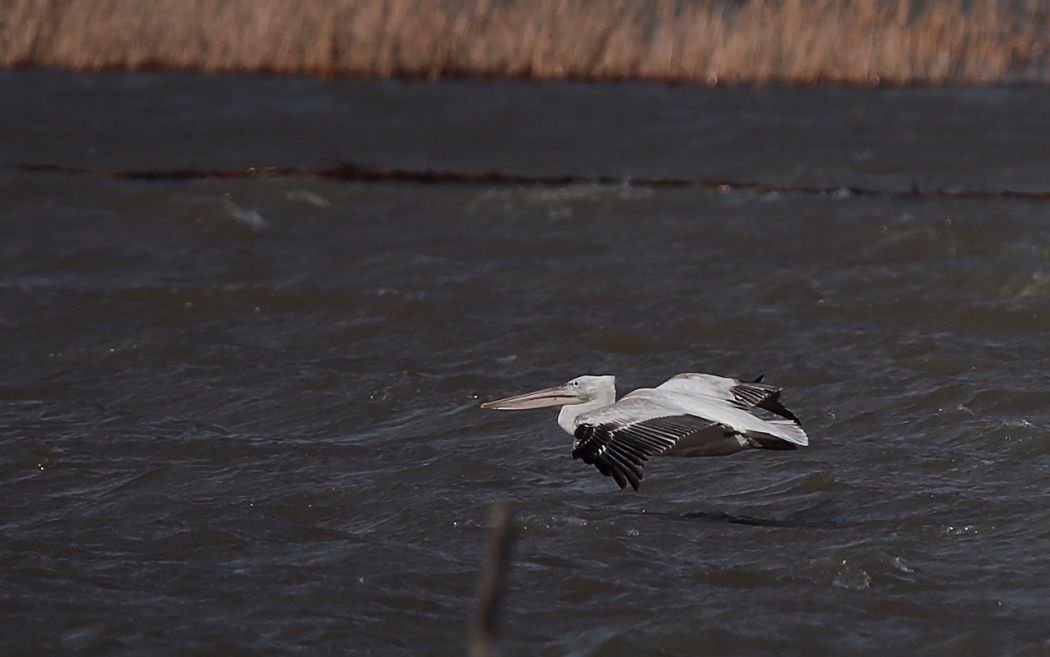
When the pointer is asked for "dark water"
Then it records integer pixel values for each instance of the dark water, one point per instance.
(240, 416)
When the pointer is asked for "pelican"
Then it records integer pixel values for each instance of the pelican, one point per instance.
(687, 415)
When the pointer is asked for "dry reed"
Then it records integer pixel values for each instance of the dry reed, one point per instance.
(802, 41)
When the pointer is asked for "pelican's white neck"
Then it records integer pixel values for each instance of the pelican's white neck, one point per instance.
(606, 396)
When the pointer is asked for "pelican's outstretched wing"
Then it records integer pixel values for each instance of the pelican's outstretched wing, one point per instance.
(619, 439)
(752, 394)
(689, 415)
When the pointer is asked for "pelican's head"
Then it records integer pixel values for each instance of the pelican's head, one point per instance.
(581, 390)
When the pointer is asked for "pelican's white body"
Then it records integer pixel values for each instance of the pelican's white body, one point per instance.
(687, 415)
(701, 395)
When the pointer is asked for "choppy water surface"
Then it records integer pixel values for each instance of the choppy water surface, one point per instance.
(240, 416)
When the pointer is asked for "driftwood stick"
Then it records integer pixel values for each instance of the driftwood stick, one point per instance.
(483, 630)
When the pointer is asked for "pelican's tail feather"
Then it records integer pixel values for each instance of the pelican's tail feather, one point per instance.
(784, 434)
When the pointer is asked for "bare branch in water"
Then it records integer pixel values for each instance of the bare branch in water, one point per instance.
(483, 630)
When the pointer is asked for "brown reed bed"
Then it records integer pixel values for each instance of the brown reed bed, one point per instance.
(705, 41)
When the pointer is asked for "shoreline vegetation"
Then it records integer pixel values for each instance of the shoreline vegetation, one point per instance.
(711, 42)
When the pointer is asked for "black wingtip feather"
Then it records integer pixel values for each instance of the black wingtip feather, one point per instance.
(773, 405)
(621, 451)
(760, 395)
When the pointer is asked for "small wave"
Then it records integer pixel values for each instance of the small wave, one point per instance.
(250, 218)
(308, 197)
(860, 570)
(1035, 287)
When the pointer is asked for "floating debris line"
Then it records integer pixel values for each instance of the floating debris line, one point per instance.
(355, 172)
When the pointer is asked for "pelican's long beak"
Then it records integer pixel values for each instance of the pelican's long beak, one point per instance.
(556, 396)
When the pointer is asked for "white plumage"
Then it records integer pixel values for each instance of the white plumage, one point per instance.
(687, 415)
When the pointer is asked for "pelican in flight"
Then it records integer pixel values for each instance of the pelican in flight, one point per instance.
(687, 415)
